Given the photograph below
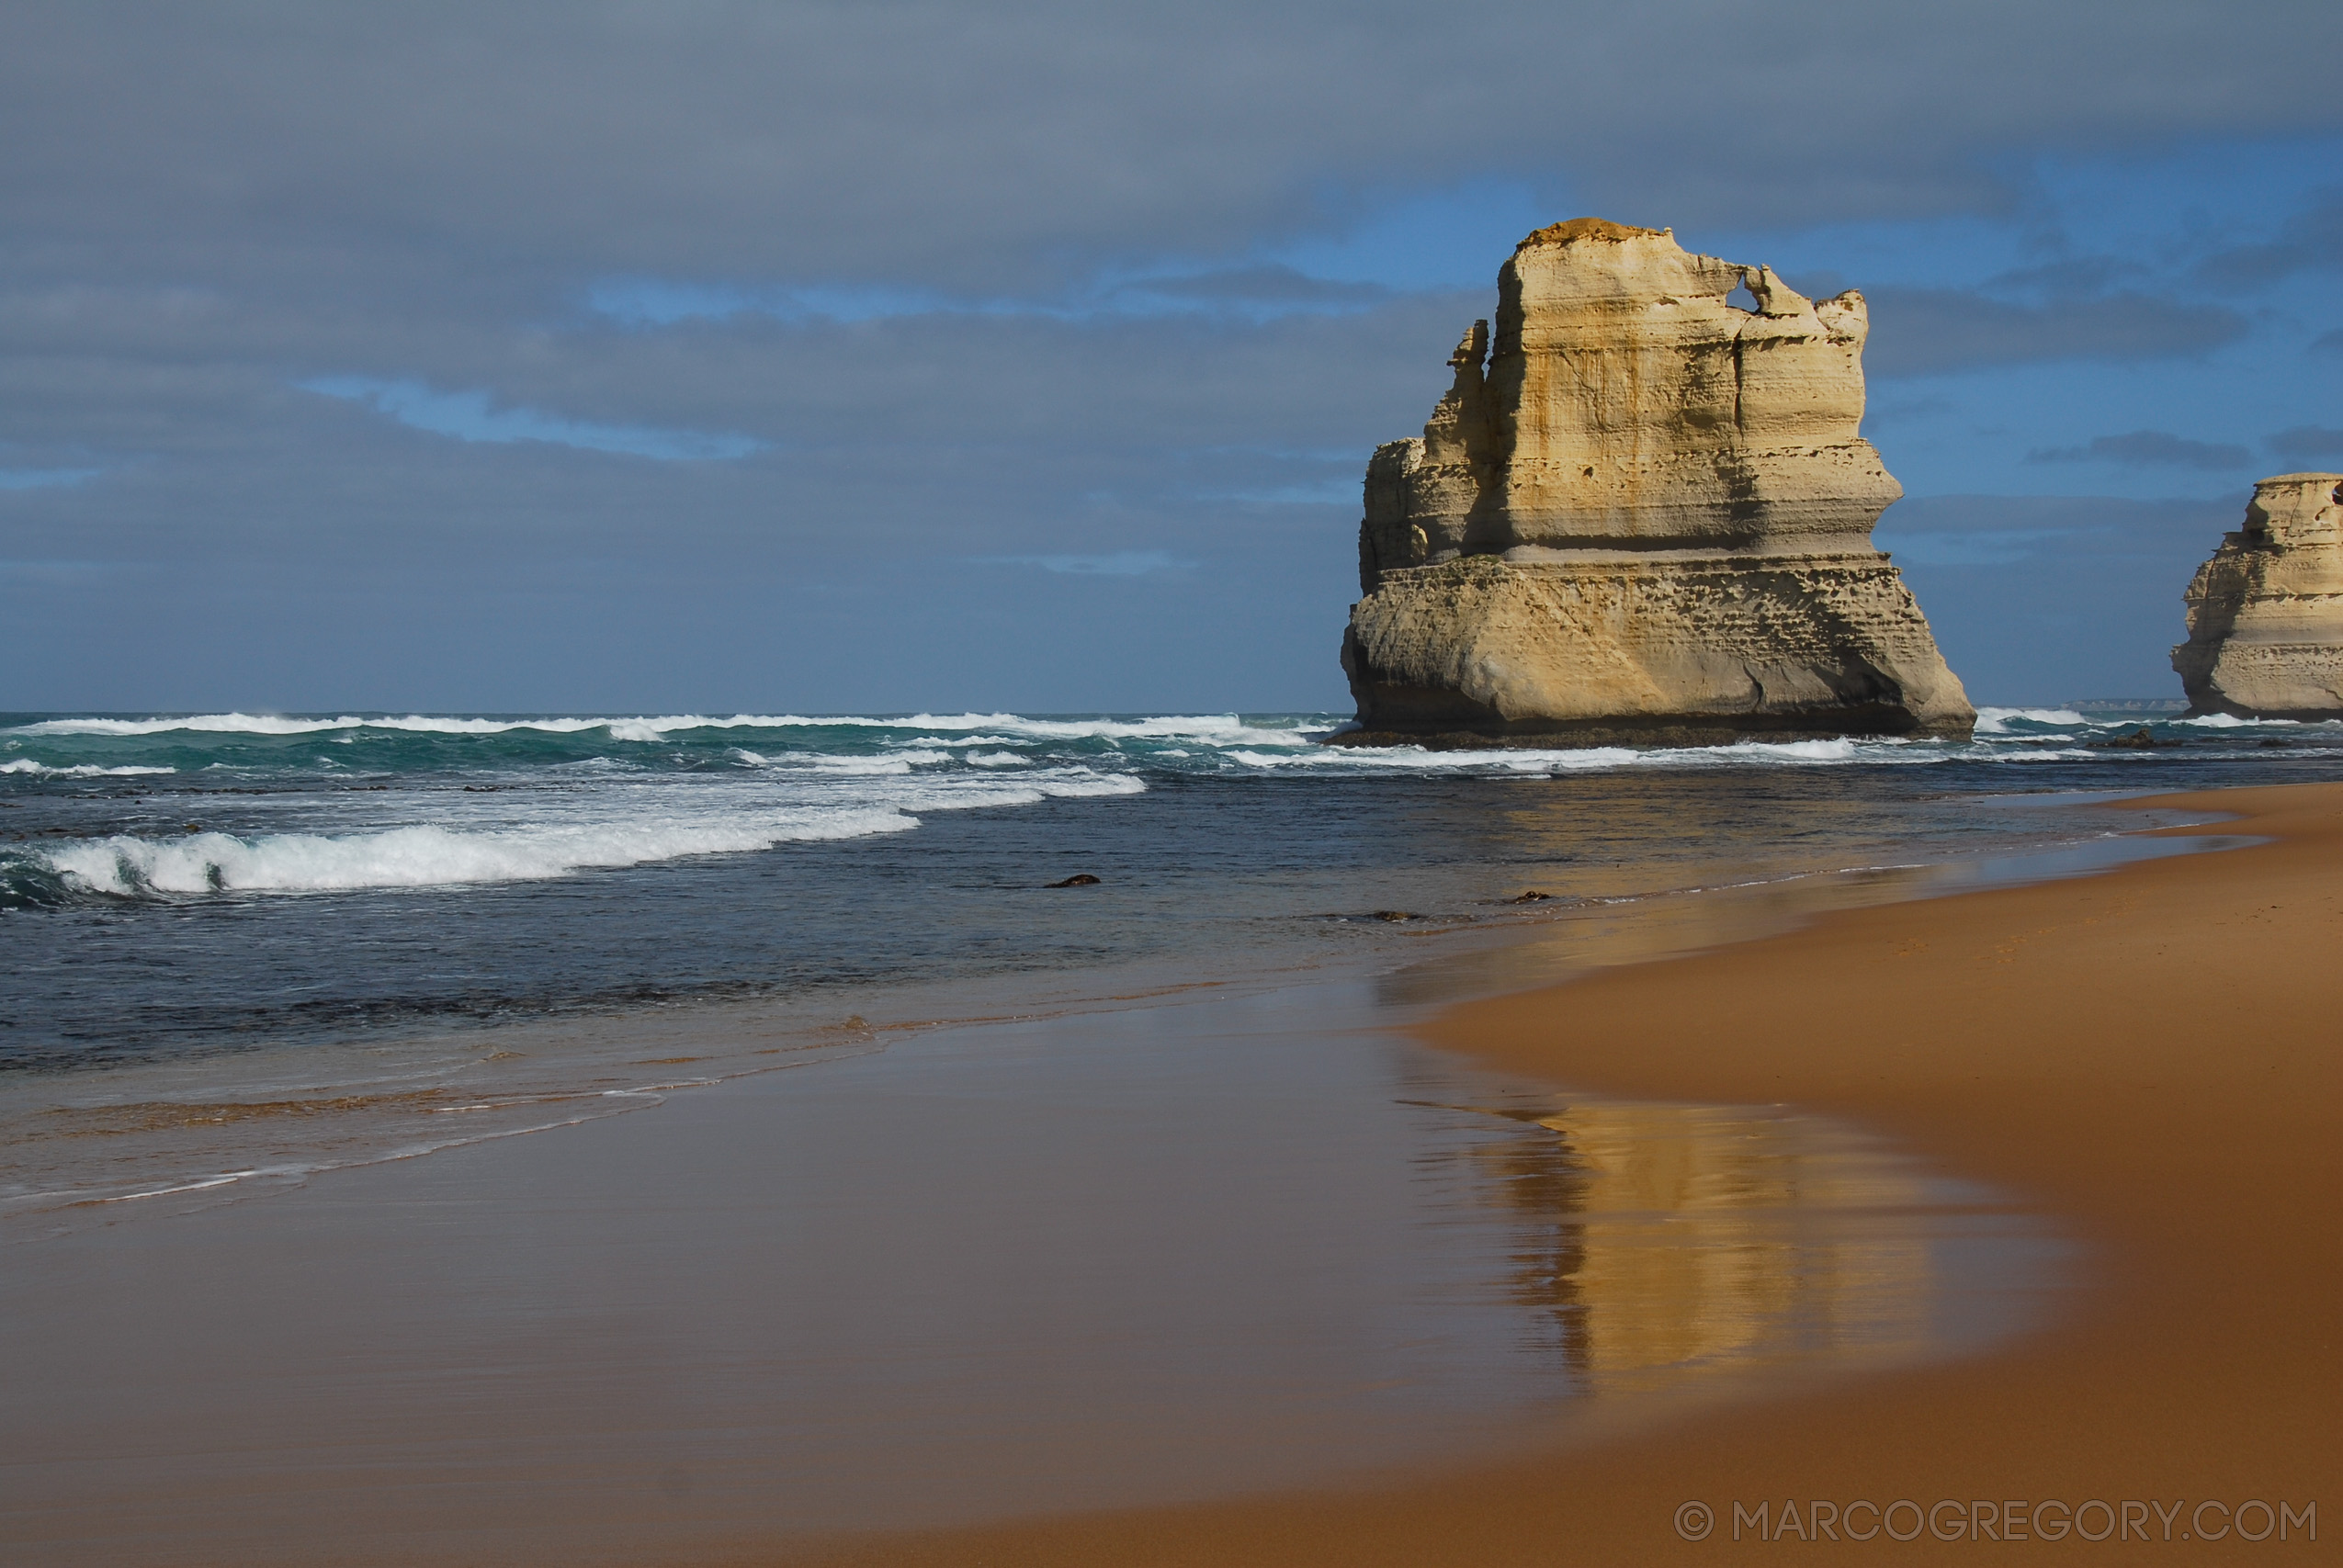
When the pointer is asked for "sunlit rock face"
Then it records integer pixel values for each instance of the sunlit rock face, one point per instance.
(1641, 515)
(2266, 613)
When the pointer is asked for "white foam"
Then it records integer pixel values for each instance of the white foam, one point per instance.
(1215, 728)
(477, 838)
(1005, 760)
(1524, 760)
(846, 765)
(79, 771)
(1996, 721)
(1420, 760)
(2062, 754)
(1834, 751)
(429, 857)
(2231, 721)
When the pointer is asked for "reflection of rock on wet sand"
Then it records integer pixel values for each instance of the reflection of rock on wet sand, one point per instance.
(1661, 1241)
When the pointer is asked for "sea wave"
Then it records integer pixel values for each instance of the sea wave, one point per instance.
(1528, 760)
(76, 771)
(1371, 759)
(428, 856)
(604, 831)
(1996, 721)
(2231, 721)
(1221, 727)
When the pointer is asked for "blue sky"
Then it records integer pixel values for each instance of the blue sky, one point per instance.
(707, 355)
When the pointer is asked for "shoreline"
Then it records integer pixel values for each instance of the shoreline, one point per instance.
(683, 1185)
(170, 1132)
(2149, 1057)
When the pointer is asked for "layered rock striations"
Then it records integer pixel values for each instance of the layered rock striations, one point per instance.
(2266, 613)
(1641, 515)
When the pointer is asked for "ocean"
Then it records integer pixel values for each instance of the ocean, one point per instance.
(345, 916)
(173, 887)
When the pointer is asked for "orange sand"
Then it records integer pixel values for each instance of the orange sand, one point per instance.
(2151, 1057)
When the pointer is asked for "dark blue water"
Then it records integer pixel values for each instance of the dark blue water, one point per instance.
(173, 887)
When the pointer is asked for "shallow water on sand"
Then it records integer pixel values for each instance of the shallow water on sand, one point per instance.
(76, 1147)
(1179, 1251)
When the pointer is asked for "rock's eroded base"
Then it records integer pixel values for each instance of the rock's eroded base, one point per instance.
(1681, 651)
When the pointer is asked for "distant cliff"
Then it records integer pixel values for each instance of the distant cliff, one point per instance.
(2266, 613)
(1640, 515)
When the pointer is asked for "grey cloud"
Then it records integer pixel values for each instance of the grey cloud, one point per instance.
(2309, 241)
(979, 278)
(2147, 448)
(1118, 563)
(2329, 342)
(1345, 491)
(299, 552)
(42, 479)
(1251, 294)
(1264, 288)
(2070, 276)
(475, 416)
(985, 148)
(2307, 440)
(1928, 331)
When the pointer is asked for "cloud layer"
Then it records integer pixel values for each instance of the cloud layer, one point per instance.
(701, 354)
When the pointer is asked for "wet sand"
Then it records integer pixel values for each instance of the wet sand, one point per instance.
(1216, 1247)
(601, 1344)
(2151, 1056)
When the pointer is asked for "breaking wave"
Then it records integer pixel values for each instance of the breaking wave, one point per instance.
(1222, 728)
(1996, 721)
(478, 838)
(291, 803)
(76, 771)
(425, 857)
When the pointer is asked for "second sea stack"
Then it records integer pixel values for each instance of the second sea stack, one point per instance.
(2266, 613)
(1641, 516)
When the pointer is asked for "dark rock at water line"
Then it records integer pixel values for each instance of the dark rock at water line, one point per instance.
(1533, 897)
(1080, 879)
(2140, 739)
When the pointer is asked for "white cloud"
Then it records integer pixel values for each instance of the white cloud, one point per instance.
(471, 416)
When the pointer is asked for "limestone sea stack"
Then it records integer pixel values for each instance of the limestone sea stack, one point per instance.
(2266, 613)
(1642, 516)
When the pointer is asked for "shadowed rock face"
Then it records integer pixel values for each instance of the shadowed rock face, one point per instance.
(1640, 515)
(2266, 613)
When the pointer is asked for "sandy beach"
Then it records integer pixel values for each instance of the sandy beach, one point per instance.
(2150, 1055)
(1054, 1276)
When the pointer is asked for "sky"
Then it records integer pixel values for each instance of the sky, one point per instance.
(878, 356)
